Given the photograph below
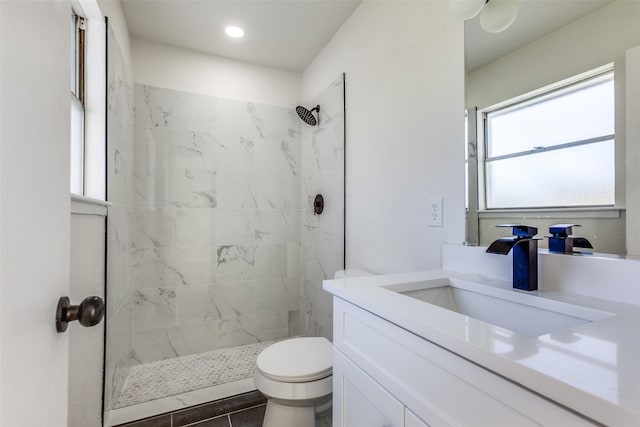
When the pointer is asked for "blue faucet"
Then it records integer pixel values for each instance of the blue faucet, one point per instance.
(525, 255)
(561, 240)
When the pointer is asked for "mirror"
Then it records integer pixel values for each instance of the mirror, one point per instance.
(550, 41)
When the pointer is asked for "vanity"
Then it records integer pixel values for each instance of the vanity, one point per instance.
(459, 346)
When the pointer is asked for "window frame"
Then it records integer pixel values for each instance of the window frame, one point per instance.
(546, 92)
(78, 90)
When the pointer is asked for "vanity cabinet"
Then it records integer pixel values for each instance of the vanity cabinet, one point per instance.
(387, 376)
(363, 402)
(412, 420)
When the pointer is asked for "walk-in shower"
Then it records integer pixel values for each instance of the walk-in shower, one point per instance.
(214, 250)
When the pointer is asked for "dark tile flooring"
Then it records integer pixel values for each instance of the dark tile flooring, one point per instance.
(243, 410)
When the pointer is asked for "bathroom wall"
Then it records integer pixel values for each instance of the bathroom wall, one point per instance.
(119, 219)
(594, 40)
(87, 344)
(404, 70)
(170, 67)
(216, 225)
(322, 235)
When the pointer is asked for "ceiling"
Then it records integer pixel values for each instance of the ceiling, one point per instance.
(535, 19)
(283, 34)
(288, 34)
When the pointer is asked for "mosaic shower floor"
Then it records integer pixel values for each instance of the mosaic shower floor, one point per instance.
(156, 380)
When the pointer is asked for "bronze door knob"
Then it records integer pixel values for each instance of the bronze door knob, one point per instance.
(89, 312)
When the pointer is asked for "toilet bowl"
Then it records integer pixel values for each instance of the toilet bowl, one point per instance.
(296, 377)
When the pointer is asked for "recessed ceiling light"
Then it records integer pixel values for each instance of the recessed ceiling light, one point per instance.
(233, 31)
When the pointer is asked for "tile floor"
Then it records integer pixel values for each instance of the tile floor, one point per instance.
(154, 382)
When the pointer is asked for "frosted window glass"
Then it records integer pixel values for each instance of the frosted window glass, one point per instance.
(576, 176)
(77, 147)
(581, 112)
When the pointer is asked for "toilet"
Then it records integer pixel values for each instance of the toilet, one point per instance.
(351, 272)
(296, 377)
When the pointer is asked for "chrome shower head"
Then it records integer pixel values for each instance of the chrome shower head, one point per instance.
(307, 115)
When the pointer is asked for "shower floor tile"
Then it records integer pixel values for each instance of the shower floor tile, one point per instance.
(156, 380)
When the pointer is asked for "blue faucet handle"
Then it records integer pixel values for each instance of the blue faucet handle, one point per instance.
(562, 230)
(521, 230)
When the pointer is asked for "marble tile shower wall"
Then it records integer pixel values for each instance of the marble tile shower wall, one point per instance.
(216, 223)
(323, 235)
(119, 232)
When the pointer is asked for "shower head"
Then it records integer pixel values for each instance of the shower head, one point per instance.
(307, 116)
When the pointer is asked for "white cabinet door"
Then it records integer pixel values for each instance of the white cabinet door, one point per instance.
(359, 401)
(412, 420)
(433, 381)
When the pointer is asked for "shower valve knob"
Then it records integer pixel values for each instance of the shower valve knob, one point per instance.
(318, 204)
(89, 312)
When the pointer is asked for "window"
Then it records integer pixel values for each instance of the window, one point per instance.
(77, 103)
(552, 149)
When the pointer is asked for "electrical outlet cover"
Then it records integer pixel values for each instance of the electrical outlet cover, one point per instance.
(434, 212)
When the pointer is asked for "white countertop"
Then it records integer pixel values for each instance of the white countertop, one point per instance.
(593, 369)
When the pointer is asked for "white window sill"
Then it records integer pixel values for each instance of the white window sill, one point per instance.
(83, 205)
(587, 212)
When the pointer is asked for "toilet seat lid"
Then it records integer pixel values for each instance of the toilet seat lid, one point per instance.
(297, 360)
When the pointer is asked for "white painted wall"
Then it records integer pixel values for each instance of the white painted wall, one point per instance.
(404, 70)
(633, 150)
(596, 39)
(86, 344)
(1, 217)
(176, 68)
(34, 200)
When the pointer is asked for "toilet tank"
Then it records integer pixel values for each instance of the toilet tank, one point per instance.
(351, 272)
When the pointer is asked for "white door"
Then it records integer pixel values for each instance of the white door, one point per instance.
(34, 210)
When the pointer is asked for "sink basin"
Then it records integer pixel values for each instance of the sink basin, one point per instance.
(522, 313)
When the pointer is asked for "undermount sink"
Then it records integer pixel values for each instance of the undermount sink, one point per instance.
(522, 313)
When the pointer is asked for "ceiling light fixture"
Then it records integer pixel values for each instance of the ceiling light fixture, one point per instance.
(235, 32)
(495, 15)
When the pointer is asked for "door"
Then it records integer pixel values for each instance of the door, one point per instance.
(34, 210)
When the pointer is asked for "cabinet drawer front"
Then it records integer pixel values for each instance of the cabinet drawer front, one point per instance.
(439, 386)
(359, 401)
